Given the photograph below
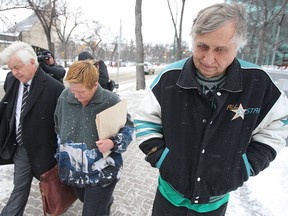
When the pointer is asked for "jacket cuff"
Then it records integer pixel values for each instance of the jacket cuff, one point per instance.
(114, 140)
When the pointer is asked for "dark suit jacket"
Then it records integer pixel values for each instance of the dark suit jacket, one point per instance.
(38, 132)
(103, 74)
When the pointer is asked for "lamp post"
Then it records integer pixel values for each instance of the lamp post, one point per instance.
(119, 51)
(276, 40)
(175, 31)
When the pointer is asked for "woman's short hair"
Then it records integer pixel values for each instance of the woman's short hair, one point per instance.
(83, 72)
(215, 16)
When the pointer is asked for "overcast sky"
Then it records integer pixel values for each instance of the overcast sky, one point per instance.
(157, 25)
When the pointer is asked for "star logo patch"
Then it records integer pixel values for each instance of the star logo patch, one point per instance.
(239, 112)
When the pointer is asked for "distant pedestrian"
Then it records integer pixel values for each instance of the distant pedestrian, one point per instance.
(27, 133)
(210, 121)
(103, 72)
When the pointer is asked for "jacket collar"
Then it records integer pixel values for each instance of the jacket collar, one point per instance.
(233, 83)
(38, 83)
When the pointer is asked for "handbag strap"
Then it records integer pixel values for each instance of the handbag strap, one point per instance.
(43, 200)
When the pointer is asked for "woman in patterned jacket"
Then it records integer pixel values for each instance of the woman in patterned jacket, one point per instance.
(80, 160)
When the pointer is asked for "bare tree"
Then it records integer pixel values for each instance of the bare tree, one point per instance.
(8, 5)
(263, 19)
(66, 23)
(94, 38)
(178, 34)
(46, 12)
(269, 15)
(115, 47)
(140, 76)
(12, 4)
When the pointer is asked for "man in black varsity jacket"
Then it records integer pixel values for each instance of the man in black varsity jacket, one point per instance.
(210, 121)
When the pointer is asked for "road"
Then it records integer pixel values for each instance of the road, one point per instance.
(128, 74)
(280, 78)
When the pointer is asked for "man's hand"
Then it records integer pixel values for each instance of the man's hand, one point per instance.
(105, 145)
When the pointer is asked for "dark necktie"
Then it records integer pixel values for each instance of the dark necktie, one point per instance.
(212, 100)
(24, 101)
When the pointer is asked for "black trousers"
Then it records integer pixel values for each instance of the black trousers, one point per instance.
(96, 200)
(22, 183)
(162, 207)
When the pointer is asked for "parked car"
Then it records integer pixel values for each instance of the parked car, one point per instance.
(5, 67)
(148, 68)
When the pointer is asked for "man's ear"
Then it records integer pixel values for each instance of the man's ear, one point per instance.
(32, 61)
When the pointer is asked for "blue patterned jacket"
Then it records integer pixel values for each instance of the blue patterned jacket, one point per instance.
(80, 163)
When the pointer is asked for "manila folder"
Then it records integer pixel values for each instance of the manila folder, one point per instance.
(111, 120)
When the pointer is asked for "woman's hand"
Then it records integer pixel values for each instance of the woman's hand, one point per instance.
(105, 145)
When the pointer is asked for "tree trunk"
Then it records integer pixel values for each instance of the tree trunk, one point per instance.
(260, 57)
(177, 35)
(46, 13)
(179, 39)
(140, 76)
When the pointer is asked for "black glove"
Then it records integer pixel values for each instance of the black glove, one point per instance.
(42, 64)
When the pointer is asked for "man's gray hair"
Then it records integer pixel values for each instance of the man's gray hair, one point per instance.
(24, 52)
(215, 16)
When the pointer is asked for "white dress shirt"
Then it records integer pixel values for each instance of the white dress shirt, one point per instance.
(19, 102)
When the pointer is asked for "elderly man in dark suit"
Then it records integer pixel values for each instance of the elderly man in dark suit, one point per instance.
(27, 135)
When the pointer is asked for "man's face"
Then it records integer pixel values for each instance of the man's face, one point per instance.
(213, 52)
(22, 72)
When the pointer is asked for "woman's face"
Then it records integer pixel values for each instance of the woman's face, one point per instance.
(81, 93)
